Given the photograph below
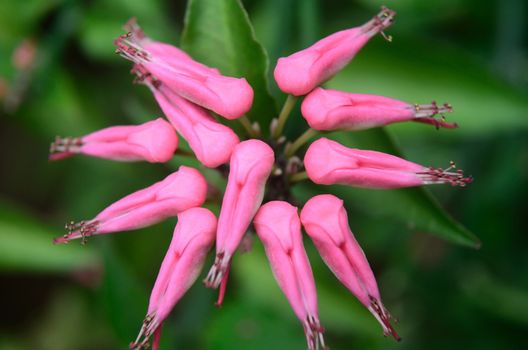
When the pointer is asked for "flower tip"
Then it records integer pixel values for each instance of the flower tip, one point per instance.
(64, 147)
(314, 333)
(61, 240)
(445, 176)
(150, 326)
(53, 157)
(218, 273)
(221, 293)
(383, 317)
(378, 23)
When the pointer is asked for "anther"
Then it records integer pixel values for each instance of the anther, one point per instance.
(386, 37)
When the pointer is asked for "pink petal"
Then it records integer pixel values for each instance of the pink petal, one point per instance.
(278, 226)
(333, 110)
(154, 141)
(301, 72)
(211, 141)
(328, 162)
(250, 166)
(183, 189)
(325, 220)
(227, 96)
(192, 239)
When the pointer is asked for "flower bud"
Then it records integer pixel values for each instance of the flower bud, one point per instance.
(325, 220)
(192, 239)
(278, 226)
(250, 166)
(333, 110)
(328, 162)
(182, 190)
(154, 141)
(301, 72)
(211, 142)
(227, 96)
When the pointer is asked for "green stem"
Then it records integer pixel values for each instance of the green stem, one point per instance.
(301, 140)
(284, 114)
(247, 126)
(183, 153)
(298, 177)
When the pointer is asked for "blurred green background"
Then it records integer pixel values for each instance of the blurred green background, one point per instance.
(59, 76)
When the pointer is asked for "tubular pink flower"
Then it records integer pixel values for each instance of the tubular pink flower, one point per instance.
(227, 96)
(301, 72)
(211, 142)
(278, 226)
(325, 220)
(172, 55)
(192, 239)
(251, 164)
(182, 190)
(328, 162)
(332, 110)
(154, 141)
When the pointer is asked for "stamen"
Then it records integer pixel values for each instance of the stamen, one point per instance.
(383, 317)
(81, 229)
(143, 76)
(149, 326)
(426, 113)
(440, 176)
(219, 268)
(381, 21)
(66, 144)
(314, 333)
(129, 47)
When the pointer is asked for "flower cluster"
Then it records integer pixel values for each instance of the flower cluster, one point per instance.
(188, 92)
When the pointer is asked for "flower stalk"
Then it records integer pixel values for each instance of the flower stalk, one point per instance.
(285, 112)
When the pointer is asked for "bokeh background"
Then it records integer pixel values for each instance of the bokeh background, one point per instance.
(59, 76)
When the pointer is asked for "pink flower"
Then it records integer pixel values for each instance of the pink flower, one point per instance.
(328, 162)
(278, 226)
(227, 96)
(187, 91)
(154, 141)
(325, 220)
(251, 164)
(211, 142)
(332, 110)
(172, 55)
(192, 239)
(301, 72)
(182, 190)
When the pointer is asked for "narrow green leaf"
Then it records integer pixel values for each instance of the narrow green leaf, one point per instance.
(27, 246)
(416, 207)
(219, 33)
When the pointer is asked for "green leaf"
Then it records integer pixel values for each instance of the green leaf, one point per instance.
(416, 207)
(219, 33)
(27, 246)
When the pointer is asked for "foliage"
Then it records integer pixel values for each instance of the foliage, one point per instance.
(444, 294)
